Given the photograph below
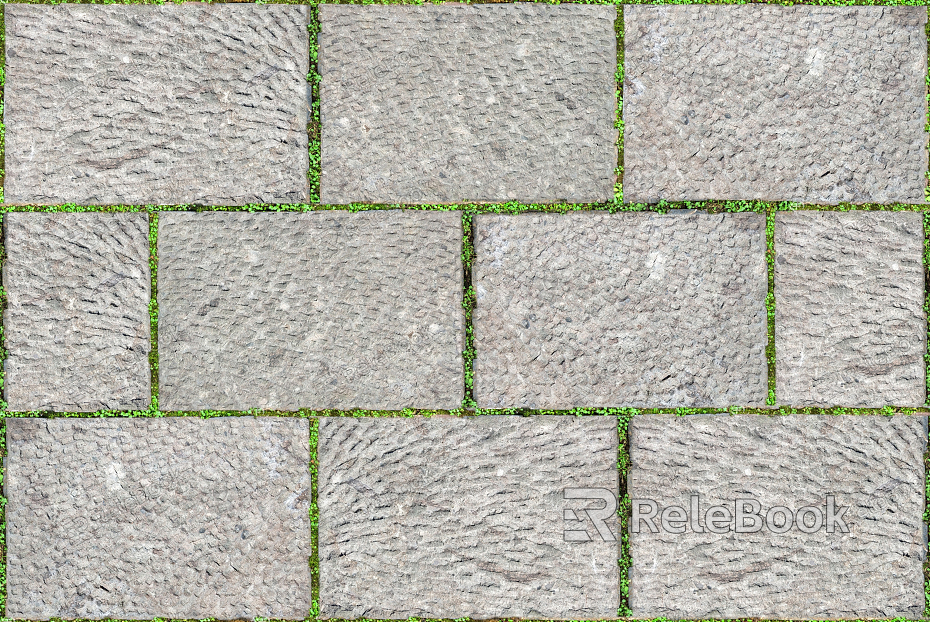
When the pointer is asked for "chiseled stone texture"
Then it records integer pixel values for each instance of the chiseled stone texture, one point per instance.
(850, 328)
(192, 103)
(76, 323)
(327, 309)
(171, 518)
(644, 309)
(802, 103)
(463, 517)
(873, 465)
(450, 103)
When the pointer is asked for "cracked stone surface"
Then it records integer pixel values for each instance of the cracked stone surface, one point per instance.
(593, 309)
(850, 328)
(197, 103)
(76, 323)
(168, 517)
(804, 103)
(451, 103)
(873, 465)
(463, 517)
(328, 309)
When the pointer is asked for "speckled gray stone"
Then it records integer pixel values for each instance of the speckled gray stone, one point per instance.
(76, 323)
(873, 465)
(803, 103)
(463, 517)
(594, 309)
(850, 328)
(197, 103)
(328, 309)
(171, 518)
(451, 103)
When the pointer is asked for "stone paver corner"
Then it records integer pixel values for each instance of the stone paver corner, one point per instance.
(76, 323)
(170, 517)
(455, 103)
(871, 465)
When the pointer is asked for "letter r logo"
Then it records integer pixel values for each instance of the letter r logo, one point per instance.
(598, 517)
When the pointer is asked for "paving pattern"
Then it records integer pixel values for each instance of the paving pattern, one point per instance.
(322, 310)
(595, 309)
(451, 518)
(820, 105)
(482, 495)
(76, 322)
(200, 103)
(850, 325)
(872, 465)
(175, 518)
(499, 102)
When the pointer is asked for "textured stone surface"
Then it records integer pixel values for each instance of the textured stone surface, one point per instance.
(199, 103)
(76, 322)
(463, 517)
(850, 329)
(450, 103)
(804, 103)
(316, 310)
(872, 464)
(592, 309)
(174, 517)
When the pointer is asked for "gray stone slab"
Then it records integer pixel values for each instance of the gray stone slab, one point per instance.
(463, 517)
(327, 309)
(76, 323)
(594, 309)
(451, 103)
(802, 103)
(192, 103)
(850, 327)
(871, 465)
(171, 518)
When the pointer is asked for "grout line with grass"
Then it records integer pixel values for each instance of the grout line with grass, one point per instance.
(770, 303)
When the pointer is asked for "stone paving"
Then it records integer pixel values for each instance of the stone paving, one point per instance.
(175, 517)
(871, 465)
(820, 105)
(457, 518)
(595, 309)
(201, 103)
(500, 102)
(438, 509)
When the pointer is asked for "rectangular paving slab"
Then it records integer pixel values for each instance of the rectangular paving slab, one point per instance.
(463, 517)
(452, 103)
(594, 309)
(76, 323)
(328, 309)
(803, 103)
(192, 103)
(169, 517)
(866, 471)
(850, 325)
